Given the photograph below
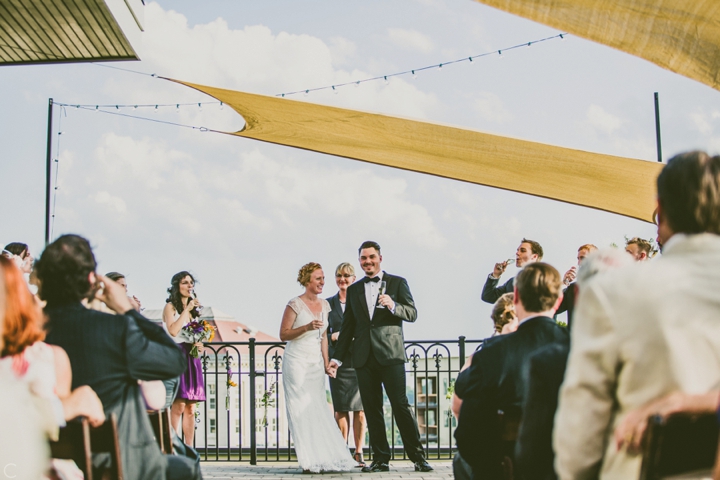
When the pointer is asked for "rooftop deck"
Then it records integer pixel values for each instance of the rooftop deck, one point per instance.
(284, 471)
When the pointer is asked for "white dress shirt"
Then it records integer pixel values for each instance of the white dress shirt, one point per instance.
(371, 294)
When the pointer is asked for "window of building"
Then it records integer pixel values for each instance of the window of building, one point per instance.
(211, 388)
(212, 403)
(237, 426)
(212, 425)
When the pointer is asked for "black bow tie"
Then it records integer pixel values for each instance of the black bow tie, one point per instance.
(373, 279)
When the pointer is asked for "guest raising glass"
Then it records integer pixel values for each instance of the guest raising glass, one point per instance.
(181, 308)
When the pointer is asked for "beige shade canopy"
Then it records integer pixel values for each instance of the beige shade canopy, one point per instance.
(682, 36)
(620, 185)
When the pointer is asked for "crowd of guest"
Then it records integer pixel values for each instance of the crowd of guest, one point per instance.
(642, 339)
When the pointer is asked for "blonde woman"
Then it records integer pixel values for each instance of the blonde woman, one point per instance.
(319, 446)
(503, 315)
(344, 387)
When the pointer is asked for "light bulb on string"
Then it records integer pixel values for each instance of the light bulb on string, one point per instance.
(200, 106)
(386, 80)
(97, 108)
(562, 37)
(335, 91)
(306, 93)
(221, 105)
(528, 45)
(471, 60)
(414, 75)
(156, 109)
(135, 107)
(117, 107)
(177, 108)
(500, 55)
(440, 67)
(357, 84)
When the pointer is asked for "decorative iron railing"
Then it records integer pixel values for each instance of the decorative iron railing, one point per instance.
(244, 419)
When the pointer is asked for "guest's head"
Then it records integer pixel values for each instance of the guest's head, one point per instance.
(503, 314)
(311, 277)
(640, 249)
(22, 324)
(66, 271)
(117, 277)
(584, 251)
(182, 286)
(600, 261)
(688, 189)
(370, 258)
(529, 251)
(21, 253)
(537, 290)
(344, 276)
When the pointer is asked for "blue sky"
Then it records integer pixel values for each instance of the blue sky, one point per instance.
(244, 216)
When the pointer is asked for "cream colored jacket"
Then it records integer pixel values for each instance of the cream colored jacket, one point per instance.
(639, 333)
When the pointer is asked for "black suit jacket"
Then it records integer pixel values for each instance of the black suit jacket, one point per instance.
(384, 333)
(568, 303)
(110, 353)
(335, 323)
(495, 382)
(544, 373)
(491, 292)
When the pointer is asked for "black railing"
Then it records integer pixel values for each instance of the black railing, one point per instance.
(243, 384)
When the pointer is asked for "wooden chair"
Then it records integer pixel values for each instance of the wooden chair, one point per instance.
(160, 421)
(679, 444)
(509, 427)
(78, 441)
(74, 444)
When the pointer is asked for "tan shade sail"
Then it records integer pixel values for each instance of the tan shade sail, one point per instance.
(614, 184)
(680, 35)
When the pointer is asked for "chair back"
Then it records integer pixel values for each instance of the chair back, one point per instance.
(679, 444)
(74, 444)
(104, 439)
(160, 421)
(508, 427)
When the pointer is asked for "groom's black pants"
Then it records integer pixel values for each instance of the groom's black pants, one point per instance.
(371, 378)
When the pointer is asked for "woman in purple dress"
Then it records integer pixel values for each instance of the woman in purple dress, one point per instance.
(182, 307)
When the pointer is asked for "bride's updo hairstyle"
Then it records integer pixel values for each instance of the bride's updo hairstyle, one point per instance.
(306, 271)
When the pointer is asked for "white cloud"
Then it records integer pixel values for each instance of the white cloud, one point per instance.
(115, 203)
(411, 40)
(491, 108)
(341, 49)
(602, 120)
(701, 122)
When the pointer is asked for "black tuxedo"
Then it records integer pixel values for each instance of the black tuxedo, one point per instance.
(495, 382)
(110, 353)
(379, 359)
(544, 373)
(491, 292)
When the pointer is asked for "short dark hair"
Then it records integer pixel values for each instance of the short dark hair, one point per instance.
(114, 276)
(538, 285)
(63, 270)
(369, 244)
(534, 247)
(16, 248)
(688, 189)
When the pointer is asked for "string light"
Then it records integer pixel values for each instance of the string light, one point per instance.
(415, 71)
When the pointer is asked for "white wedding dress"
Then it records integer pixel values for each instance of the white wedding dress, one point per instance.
(319, 445)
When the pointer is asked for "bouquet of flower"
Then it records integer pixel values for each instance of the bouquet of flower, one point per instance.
(198, 331)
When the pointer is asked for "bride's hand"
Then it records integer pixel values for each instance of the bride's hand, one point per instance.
(315, 325)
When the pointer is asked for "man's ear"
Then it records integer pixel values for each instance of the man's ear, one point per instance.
(516, 297)
(92, 278)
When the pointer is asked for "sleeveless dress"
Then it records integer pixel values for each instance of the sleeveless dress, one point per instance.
(191, 383)
(319, 445)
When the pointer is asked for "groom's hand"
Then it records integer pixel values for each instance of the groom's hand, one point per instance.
(331, 368)
(386, 302)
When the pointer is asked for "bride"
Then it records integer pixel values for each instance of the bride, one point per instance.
(319, 445)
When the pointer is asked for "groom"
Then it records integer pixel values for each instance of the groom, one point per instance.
(375, 322)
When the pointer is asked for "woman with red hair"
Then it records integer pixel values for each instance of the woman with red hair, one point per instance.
(27, 362)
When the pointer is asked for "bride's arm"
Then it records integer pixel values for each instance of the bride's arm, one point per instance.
(286, 330)
(324, 349)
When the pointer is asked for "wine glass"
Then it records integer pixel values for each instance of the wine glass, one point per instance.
(381, 291)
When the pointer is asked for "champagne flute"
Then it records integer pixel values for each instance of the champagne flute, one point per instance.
(381, 291)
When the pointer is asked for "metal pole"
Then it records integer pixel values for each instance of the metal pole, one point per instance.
(253, 422)
(657, 128)
(48, 172)
(461, 344)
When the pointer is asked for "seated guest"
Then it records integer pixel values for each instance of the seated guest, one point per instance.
(640, 249)
(641, 333)
(110, 353)
(543, 376)
(42, 370)
(529, 251)
(494, 381)
(503, 315)
(569, 294)
(20, 252)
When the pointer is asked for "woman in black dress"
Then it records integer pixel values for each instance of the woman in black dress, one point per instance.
(344, 387)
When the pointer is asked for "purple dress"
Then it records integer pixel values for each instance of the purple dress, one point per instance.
(191, 385)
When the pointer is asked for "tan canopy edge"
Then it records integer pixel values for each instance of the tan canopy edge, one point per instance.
(682, 36)
(614, 184)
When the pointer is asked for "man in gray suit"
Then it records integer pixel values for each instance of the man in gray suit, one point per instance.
(110, 353)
